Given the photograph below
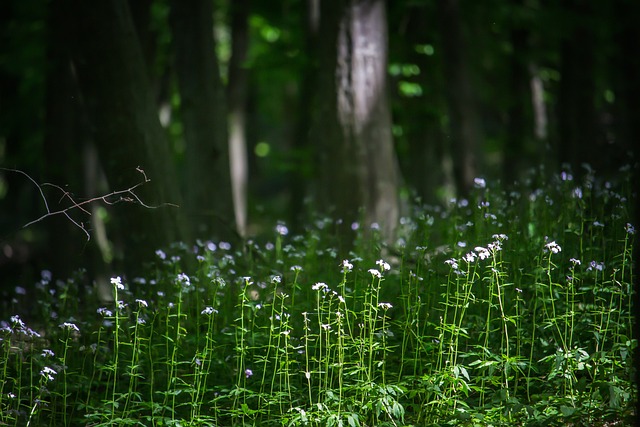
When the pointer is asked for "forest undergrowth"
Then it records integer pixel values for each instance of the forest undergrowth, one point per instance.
(506, 308)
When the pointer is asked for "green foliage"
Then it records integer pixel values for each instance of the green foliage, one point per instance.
(521, 318)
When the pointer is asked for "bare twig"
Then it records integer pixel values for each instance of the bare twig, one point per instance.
(128, 196)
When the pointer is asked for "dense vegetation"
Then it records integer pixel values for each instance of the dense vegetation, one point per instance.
(511, 307)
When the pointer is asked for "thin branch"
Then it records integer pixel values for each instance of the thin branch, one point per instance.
(128, 196)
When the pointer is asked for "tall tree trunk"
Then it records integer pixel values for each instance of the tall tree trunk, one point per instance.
(301, 136)
(463, 116)
(626, 64)
(515, 152)
(576, 103)
(237, 96)
(424, 157)
(126, 130)
(209, 202)
(359, 164)
(63, 135)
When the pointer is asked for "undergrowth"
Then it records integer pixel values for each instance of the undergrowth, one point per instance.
(501, 309)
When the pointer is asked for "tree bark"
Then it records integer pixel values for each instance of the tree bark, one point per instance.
(301, 135)
(125, 126)
(360, 172)
(202, 106)
(463, 116)
(237, 96)
(576, 99)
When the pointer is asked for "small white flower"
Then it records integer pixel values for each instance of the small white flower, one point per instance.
(142, 303)
(209, 311)
(160, 254)
(383, 265)
(452, 263)
(346, 266)
(575, 261)
(117, 282)
(282, 229)
(184, 280)
(483, 253)
(384, 305)
(47, 353)
(48, 373)
(553, 247)
(375, 273)
(479, 182)
(104, 312)
(470, 257)
(70, 326)
(248, 373)
(46, 276)
(320, 286)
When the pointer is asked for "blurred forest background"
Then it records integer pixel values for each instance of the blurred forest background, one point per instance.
(245, 112)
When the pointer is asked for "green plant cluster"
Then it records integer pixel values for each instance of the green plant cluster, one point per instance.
(506, 308)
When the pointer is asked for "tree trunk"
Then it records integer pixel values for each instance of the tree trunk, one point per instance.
(301, 137)
(237, 96)
(576, 99)
(359, 164)
(515, 152)
(463, 117)
(126, 130)
(203, 110)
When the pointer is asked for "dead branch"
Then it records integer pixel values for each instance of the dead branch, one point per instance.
(120, 196)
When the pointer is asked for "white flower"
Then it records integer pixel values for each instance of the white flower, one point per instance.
(629, 229)
(142, 303)
(104, 312)
(209, 311)
(70, 326)
(483, 253)
(282, 229)
(383, 265)
(553, 247)
(346, 266)
(320, 286)
(479, 182)
(470, 257)
(375, 273)
(183, 279)
(48, 373)
(384, 305)
(452, 263)
(117, 282)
